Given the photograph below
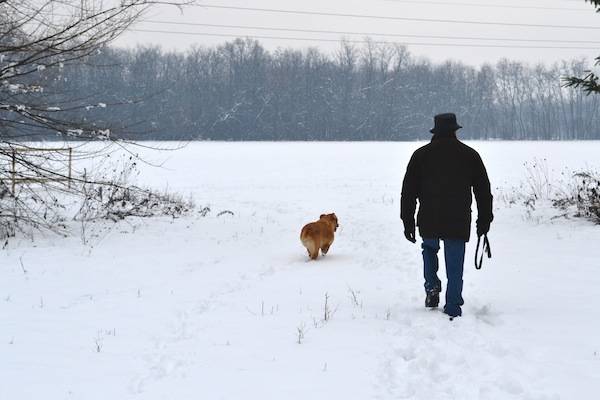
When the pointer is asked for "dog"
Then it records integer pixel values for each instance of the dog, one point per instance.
(319, 235)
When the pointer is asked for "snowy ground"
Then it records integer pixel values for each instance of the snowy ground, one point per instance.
(211, 307)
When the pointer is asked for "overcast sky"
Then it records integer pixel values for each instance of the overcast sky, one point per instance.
(539, 12)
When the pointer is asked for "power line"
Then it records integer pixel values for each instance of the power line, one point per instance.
(361, 41)
(263, 28)
(394, 18)
(479, 5)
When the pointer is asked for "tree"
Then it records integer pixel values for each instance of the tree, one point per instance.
(590, 83)
(38, 41)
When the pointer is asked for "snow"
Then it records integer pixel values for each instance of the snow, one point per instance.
(210, 307)
(14, 88)
(102, 134)
(74, 132)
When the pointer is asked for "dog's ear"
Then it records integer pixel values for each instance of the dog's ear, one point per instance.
(322, 216)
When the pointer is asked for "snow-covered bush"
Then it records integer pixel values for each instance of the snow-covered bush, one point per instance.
(583, 195)
(114, 196)
(575, 194)
(31, 207)
(110, 194)
(537, 186)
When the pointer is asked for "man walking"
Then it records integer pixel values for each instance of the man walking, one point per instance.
(441, 175)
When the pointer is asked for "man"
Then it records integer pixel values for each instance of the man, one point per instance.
(441, 175)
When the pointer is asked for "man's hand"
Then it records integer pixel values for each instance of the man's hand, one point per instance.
(409, 231)
(482, 228)
(410, 236)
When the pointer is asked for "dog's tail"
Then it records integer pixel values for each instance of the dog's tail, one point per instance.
(309, 243)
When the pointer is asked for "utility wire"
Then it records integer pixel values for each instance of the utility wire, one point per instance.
(394, 18)
(479, 5)
(361, 41)
(263, 28)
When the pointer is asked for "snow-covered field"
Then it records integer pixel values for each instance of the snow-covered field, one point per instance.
(212, 307)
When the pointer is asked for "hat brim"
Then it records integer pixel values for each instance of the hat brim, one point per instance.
(447, 129)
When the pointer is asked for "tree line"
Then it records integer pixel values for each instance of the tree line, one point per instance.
(241, 91)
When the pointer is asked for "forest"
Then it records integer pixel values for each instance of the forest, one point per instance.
(241, 91)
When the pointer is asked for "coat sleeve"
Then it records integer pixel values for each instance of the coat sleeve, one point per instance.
(410, 190)
(482, 192)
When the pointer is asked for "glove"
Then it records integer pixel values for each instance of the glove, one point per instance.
(482, 228)
(410, 236)
(409, 232)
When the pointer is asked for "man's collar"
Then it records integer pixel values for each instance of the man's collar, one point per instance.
(439, 136)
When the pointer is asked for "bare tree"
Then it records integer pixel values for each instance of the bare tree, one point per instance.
(38, 39)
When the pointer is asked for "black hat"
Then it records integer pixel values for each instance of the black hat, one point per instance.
(445, 123)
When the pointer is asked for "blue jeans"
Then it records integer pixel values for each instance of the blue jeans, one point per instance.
(454, 254)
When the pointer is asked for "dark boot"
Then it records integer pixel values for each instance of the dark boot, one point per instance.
(433, 299)
(452, 312)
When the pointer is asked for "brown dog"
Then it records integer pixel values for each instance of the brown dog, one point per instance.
(319, 235)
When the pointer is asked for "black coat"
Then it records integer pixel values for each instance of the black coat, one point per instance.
(441, 175)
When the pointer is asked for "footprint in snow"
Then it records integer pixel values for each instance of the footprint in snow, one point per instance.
(432, 359)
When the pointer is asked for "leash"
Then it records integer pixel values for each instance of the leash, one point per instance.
(486, 249)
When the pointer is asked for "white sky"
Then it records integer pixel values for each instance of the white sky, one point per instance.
(567, 12)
